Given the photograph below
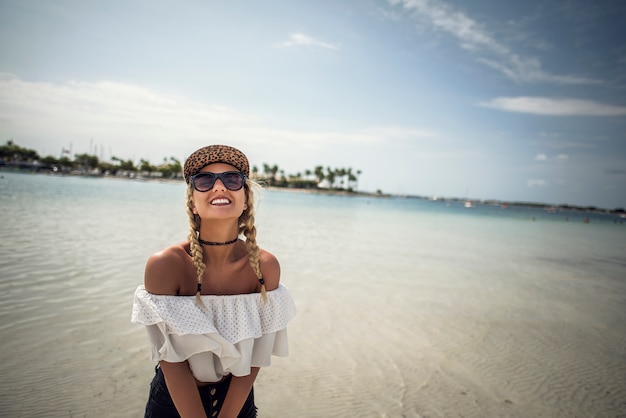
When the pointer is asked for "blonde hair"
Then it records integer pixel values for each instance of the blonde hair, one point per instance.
(245, 227)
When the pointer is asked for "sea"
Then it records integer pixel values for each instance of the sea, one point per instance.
(406, 306)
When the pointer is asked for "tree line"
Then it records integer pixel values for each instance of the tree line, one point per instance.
(20, 157)
(334, 178)
(14, 155)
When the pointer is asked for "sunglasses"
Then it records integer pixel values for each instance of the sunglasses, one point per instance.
(232, 180)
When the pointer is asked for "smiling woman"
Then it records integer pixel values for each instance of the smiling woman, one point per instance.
(210, 348)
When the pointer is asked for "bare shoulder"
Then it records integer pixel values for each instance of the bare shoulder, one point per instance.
(165, 270)
(270, 267)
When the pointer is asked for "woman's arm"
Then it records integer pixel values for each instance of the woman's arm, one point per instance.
(163, 277)
(238, 392)
(183, 389)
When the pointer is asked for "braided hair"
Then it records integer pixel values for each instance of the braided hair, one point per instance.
(245, 227)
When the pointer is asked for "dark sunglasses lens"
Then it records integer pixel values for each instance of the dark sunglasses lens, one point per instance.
(232, 181)
(204, 182)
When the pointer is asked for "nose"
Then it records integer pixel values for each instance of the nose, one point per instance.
(219, 186)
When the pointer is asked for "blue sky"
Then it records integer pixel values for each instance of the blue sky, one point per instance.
(520, 101)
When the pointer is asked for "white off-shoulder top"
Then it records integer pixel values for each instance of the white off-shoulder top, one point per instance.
(234, 333)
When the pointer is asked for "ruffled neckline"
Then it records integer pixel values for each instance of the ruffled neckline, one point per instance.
(235, 317)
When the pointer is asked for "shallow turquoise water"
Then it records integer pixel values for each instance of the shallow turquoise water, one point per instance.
(74, 248)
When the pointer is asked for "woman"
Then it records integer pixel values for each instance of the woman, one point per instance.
(210, 347)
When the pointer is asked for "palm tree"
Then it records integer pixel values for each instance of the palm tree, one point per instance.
(319, 173)
(274, 171)
(144, 165)
(330, 176)
(175, 166)
(341, 173)
(351, 178)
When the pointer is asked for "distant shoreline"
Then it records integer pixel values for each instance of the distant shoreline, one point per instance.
(492, 202)
(340, 192)
(327, 192)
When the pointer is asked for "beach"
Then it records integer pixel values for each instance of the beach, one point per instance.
(406, 308)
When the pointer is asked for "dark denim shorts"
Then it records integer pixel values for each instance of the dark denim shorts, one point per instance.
(160, 404)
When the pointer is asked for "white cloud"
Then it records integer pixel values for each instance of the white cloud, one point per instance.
(135, 120)
(561, 158)
(113, 112)
(474, 37)
(536, 183)
(299, 39)
(527, 69)
(554, 106)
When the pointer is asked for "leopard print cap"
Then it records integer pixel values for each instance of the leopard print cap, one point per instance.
(215, 154)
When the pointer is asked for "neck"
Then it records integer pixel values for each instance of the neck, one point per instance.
(218, 243)
(218, 240)
(217, 253)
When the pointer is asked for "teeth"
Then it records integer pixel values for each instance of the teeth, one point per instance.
(220, 202)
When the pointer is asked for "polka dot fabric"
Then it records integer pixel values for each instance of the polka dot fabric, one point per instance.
(234, 333)
(234, 317)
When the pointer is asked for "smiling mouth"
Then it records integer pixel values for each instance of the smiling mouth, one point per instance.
(220, 201)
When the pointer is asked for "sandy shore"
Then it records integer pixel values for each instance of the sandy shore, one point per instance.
(498, 350)
(435, 349)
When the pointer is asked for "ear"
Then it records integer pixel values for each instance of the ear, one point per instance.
(194, 210)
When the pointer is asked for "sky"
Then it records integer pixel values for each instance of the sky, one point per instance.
(517, 101)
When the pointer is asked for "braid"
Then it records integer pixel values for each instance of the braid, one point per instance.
(194, 244)
(247, 228)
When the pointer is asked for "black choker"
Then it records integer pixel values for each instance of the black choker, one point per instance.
(203, 242)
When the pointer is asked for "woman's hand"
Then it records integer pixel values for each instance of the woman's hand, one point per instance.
(238, 392)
